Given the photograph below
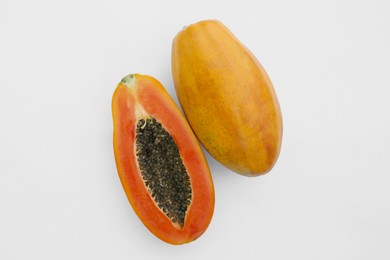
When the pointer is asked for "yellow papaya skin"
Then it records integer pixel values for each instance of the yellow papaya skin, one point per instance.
(227, 98)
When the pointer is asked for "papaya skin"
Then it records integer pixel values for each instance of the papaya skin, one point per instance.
(227, 98)
(141, 96)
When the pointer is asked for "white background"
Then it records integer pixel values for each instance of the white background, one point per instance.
(328, 197)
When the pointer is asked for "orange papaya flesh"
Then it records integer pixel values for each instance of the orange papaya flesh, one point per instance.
(159, 161)
(227, 97)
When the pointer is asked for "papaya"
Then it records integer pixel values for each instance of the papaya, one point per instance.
(227, 97)
(159, 161)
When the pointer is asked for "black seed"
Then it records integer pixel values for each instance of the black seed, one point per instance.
(163, 170)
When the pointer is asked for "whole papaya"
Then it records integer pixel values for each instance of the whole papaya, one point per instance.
(227, 98)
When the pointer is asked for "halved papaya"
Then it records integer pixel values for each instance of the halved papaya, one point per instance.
(159, 161)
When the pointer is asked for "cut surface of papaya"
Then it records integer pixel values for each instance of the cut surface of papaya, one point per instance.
(159, 161)
(227, 98)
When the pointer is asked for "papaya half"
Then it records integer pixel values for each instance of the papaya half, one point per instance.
(227, 98)
(160, 164)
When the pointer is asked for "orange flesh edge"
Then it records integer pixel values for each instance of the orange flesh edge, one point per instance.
(150, 94)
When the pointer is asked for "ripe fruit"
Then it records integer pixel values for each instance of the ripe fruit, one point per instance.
(160, 164)
(227, 98)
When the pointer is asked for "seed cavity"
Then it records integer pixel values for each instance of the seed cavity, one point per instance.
(162, 169)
